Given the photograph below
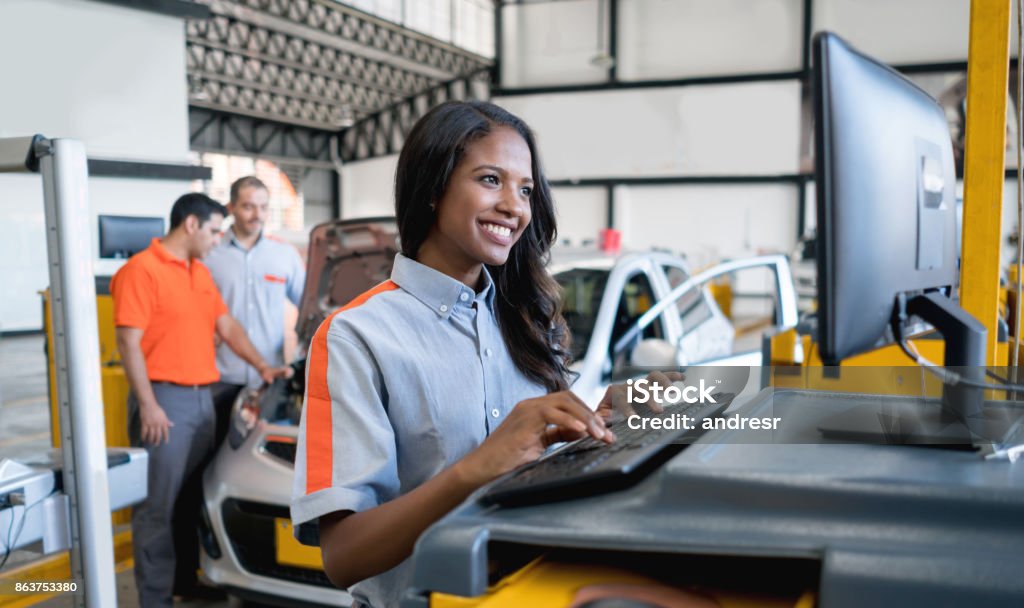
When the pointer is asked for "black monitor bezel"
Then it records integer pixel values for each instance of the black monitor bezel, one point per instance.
(105, 251)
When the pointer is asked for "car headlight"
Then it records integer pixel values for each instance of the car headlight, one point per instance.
(245, 414)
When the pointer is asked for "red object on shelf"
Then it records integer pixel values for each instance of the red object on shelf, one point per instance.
(611, 240)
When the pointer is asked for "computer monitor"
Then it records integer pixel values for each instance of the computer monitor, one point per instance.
(887, 244)
(886, 206)
(123, 236)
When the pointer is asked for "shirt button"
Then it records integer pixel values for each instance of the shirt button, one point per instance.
(463, 296)
(488, 352)
(495, 412)
(443, 308)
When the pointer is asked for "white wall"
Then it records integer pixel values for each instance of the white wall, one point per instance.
(730, 129)
(112, 77)
(368, 188)
(317, 191)
(697, 130)
(903, 31)
(581, 214)
(22, 251)
(663, 39)
(551, 43)
(709, 223)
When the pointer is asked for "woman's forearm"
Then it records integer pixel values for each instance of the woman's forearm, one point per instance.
(360, 545)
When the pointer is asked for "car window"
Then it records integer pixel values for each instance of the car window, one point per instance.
(729, 316)
(582, 290)
(693, 307)
(636, 299)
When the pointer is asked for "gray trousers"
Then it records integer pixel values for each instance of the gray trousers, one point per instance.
(191, 443)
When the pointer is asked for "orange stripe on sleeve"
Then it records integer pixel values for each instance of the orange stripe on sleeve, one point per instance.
(319, 444)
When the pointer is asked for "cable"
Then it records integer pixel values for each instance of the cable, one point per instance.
(9, 544)
(951, 378)
(997, 377)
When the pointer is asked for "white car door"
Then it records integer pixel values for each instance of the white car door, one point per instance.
(708, 336)
(632, 287)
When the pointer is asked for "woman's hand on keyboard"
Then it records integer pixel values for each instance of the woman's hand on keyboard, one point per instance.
(529, 429)
(615, 404)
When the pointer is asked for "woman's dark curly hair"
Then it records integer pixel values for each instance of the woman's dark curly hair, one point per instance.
(528, 302)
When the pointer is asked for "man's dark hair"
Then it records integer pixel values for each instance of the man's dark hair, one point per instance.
(249, 181)
(197, 204)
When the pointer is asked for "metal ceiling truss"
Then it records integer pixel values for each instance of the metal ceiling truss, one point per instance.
(384, 132)
(313, 63)
(285, 144)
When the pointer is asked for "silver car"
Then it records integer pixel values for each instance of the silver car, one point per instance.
(245, 528)
(625, 312)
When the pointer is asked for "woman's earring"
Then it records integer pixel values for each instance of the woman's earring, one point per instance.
(433, 207)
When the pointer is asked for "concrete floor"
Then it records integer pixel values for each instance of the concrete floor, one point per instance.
(25, 436)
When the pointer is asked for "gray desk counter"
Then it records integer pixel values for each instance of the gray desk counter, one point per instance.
(887, 525)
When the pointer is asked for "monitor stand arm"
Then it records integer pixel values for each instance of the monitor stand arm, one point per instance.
(965, 339)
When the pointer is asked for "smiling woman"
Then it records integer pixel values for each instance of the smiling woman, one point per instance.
(484, 178)
(449, 374)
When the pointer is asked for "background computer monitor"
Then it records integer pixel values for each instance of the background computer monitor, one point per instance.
(124, 236)
(885, 197)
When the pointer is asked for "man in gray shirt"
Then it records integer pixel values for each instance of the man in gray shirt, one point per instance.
(254, 274)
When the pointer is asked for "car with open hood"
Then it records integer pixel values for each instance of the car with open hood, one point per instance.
(245, 528)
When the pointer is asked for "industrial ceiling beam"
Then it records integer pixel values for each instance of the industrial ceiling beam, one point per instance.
(212, 130)
(384, 132)
(312, 63)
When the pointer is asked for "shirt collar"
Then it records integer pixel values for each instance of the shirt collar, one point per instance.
(232, 240)
(436, 290)
(164, 255)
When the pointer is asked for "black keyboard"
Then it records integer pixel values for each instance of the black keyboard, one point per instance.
(589, 466)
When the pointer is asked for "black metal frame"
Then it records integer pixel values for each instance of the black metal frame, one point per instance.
(619, 85)
(99, 167)
(382, 133)
(613, 39)
(174, 8)
(609, 194)
(681, 180)
(18, 333)
(231, 133)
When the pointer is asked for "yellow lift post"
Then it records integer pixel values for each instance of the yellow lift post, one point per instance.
(984, 176)
(988, 60)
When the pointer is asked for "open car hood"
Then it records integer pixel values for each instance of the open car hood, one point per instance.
(346, 258)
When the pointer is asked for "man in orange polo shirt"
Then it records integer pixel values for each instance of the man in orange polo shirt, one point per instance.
(167, 311)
